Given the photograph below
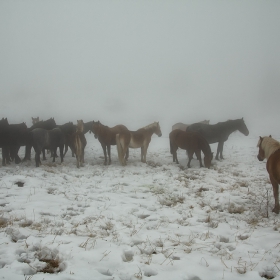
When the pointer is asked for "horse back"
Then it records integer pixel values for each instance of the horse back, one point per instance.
(180, 126)
(211, 132)
(273, 166)
(183, 139)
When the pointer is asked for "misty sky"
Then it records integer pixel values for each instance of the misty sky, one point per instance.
(135, 62)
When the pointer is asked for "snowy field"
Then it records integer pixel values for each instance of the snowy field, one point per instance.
(153, 221)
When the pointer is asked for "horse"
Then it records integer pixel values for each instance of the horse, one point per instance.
(17, 138)
(183, 126)
(4, 140)
(107, 137)
(219, 132)
(193, 142)
(269, 148)
(35, 120)
(48, 125)
(87, 128)
(67, 129)
(140, 138)
(78, 143)
(47, 139)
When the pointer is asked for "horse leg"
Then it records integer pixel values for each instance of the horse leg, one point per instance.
(220, 151)
(109, 153)
(78, 160)
(37, 158)
(276, 194)
(105, 153)
(3, 157)
(190, 156)
(17, 158)
(174, 151)
(142, 154)
(65, 149)
(61, 152)
(145, 149)
(127, 154)
(83, 157)
(198, 156)
(27, 156)
(44, 154)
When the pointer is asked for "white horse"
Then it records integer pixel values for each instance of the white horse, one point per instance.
(183, 126)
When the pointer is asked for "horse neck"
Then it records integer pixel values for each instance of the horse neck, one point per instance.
(150, 130)
(205, 147)
(87, 126)
(270, 147)
(230, 127)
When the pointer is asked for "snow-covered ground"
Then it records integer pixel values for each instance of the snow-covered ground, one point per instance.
(144, 221)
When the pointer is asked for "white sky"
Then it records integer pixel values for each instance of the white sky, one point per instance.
(135, 62)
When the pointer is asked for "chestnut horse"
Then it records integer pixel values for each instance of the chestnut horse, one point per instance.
(269, 148)
(106, 136)
(140, 138)
(193, 142)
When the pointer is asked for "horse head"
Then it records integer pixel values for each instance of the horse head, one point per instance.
(80, 125)
(242, 127)
(207, 160)
(95, 128)
(158, 130)
(35, 120)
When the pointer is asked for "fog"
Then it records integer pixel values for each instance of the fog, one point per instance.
(135, 62)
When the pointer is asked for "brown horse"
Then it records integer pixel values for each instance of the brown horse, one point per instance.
(193, 142)
(78, 143)
(269, 148)
(106, 136)
(140, 138)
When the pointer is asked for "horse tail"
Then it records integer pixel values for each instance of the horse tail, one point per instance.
(78, 148)
(170, 143)
(120, 149)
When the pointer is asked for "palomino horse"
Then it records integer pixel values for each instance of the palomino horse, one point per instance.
(219, 132)
(106, 136)
(78, 143)
(140, 138)
(183, 126)
(193, 142)
(269, 148)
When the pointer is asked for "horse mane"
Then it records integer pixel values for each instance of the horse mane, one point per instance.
(269, 145)
(154, 124)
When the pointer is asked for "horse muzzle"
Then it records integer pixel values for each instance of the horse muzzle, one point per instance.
(260, 158)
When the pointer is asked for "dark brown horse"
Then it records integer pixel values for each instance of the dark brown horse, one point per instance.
(193, 142)
(269, 148)
(106, 136)
(140, 138)
(219, 132)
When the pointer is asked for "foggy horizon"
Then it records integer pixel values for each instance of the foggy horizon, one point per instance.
(138, 62)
